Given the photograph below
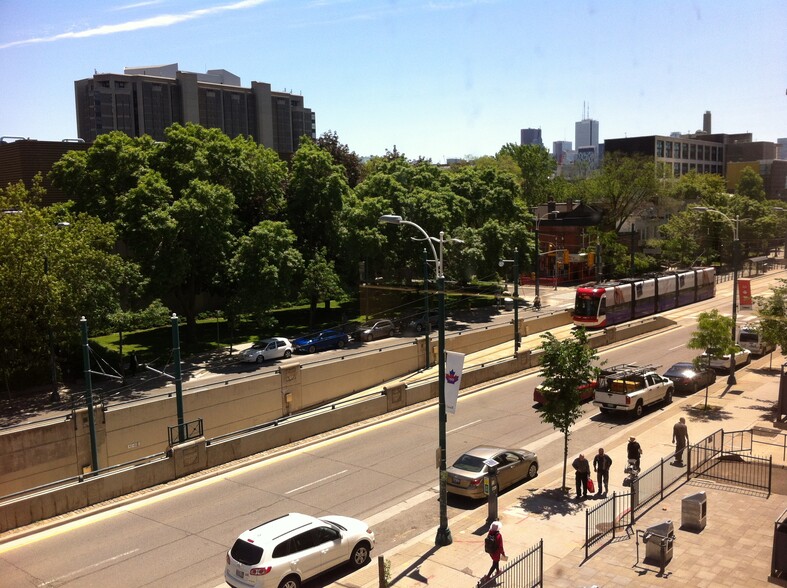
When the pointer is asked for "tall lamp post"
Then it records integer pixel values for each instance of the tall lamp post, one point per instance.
(443, 532)
(734, 223)
(537, 299)
(515, 261)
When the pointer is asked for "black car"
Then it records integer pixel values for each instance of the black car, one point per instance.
(688, 378)
(419, 322)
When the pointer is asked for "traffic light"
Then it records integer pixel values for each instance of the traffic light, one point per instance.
(591, 258)
(566, 257)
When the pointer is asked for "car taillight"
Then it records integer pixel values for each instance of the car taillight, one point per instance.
(474, 483)
(628, 400)
(259, 571)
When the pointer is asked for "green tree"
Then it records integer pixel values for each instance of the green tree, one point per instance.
(536, 167)
(772, 312)
(623, 186)
(320, 282)
(566, 365)
(341, 154)
(713, 334)
(751, 185)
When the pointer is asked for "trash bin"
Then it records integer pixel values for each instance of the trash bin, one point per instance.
(694, 512)
(658, 542)
(779, 557)
(508, 303)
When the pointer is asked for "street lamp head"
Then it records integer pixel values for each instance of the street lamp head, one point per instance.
(63, 224)
(700, 208)
(501, 263)
(393, 219)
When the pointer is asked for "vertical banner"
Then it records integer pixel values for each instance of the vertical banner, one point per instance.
(454, 362)
(744, 293)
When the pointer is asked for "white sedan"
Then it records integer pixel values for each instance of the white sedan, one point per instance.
(722, 362)
(274, 348)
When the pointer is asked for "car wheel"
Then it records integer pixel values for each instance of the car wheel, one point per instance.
(605, 411)
(260, 359)
(639, 408)
(360, 555)
(532, 471)
(668, 396)
(340, 344)
(695, 388)
(290, 582)
(419, 327)
(312, 349)
(748, 360)
(287, 354)
(390, 333)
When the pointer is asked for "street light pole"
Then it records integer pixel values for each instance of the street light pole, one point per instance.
(515, 261)
(443, 532)
(735, 224)
(537, 299)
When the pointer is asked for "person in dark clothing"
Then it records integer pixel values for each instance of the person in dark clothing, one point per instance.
(499, 551)
(582, 469)
(680, 437)
(601, 464)
(133, 364)
(634, 451)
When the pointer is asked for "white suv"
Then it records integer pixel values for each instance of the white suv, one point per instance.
(293, 548)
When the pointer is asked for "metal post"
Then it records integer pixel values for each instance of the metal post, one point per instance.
(598, 259)
(89, 395)
(516, 300)
(731, 380)
(538, 265)
(54, 394)
(426, 308)
(443, 532)
(178, 382)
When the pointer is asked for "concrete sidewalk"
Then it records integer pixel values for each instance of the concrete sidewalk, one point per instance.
(733, 550)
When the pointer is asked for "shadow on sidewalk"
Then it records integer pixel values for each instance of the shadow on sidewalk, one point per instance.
(549, 502)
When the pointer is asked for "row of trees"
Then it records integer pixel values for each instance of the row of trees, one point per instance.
(204, 222)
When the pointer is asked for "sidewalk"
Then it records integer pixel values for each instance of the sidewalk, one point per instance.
(733, 550)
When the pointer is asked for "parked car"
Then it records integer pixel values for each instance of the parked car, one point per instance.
(586, 392)
(374, 330)
(418, 323)
(291, 549)
(466, 475)
(321, 341)
(722, 362)
(273, 348)
(687, 378)
(750, 338)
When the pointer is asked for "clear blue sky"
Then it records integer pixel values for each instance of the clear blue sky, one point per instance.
(439, 79)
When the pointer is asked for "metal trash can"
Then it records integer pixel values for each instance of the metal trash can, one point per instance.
(508, 303)
(694, 512)
(779, 556)
(658, 543)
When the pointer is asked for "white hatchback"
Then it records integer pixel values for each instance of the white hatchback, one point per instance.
(722, 363)
(274, 348)
(293, 548)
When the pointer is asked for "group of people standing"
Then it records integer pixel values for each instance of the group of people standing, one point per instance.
(602, 462)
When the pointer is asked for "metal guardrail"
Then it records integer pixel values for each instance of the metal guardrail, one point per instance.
(606, 518)
(185, 432)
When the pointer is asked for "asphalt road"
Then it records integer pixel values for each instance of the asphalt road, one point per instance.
(383, 472)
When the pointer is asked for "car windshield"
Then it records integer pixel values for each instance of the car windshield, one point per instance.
(469, 463)
(681, 369)
(260, 345)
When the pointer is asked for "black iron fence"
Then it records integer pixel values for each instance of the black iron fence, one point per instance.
(524, 571)
(726, 457)
(190, 430)
(607, 518)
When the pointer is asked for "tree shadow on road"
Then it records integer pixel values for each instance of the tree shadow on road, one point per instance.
(549, 502)
(707, 413)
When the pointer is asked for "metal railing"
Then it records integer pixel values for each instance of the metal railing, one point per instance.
(190, 430)
(712, 460)
(524, 571)
(606, 518)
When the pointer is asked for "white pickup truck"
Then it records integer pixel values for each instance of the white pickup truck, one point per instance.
(630, 388)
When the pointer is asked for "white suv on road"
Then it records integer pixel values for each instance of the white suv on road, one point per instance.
(293, 548)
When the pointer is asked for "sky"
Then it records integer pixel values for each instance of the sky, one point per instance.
(433, 78)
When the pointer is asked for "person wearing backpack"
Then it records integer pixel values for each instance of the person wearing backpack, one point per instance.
(493, 545)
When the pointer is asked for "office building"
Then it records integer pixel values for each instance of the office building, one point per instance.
(561, 151)
(586, 134)
(146, 100)
(530, 137)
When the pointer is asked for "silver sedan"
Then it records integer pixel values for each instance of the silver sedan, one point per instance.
(466, 476)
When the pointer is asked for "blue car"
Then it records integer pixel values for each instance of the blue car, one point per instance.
(327, 339)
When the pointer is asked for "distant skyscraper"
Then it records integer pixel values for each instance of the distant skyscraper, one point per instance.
(706, 126)
(147, 100)
(586, 133)
(781, 148)
(560, 151)
(530, 137)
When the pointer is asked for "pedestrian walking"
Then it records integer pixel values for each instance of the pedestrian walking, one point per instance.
(680, 437)
(493, 545)
(601, 464)
(634, 451)
(582, 469)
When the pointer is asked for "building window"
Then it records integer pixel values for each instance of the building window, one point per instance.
(669, 149)
(676, 169)
(693, 151)
(685, 151)
(659, 148)
(677, 150)
(684, 167)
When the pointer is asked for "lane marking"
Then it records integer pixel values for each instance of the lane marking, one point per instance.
(315, 482)
(463, 426)
(86, 568)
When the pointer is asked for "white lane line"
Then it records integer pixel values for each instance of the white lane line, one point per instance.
(396, 509)
(463, 426)
(676, 347)
(81, 570)
(316, 482)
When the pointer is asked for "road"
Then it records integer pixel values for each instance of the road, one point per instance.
(383, 472)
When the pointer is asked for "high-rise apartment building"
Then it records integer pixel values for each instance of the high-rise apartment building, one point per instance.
(146, 100)
(530, 137)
